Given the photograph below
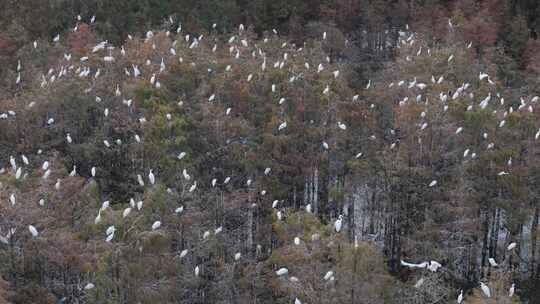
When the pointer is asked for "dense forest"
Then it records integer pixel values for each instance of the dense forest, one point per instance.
(300, 151)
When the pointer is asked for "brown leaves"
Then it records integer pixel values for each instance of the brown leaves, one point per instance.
(433, 21)
(3, 291)
(81, 40)
(532, 56)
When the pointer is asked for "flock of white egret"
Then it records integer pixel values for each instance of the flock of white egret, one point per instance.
(414, 91)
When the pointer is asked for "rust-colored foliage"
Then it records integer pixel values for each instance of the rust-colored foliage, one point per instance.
(532, 56)
(433, 21)
(7, 48)
(81, 40)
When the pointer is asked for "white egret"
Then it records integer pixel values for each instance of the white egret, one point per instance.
(89, 286)
(338, 223)
(186, 175)
(485, 289)
(156, 225)
(433, 266)
(328, 275)
(33, 230)
(183, 253)
(282, 271)
(411, 265)
(193, 187)
(512, 290)
(325, 145)
(151, 177)
(110, 230)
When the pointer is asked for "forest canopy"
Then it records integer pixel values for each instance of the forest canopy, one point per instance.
(269, 151)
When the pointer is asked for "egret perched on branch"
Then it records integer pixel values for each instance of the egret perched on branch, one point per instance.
(328, 275)
(411, 265)
(512, 290)
(433, 266)
(282, 271)
(110, 230)
(193, 187)
(338, 223)
(89, 286)
(485, 289)
(126, 212)
(33, 230)
(151, 177)
(156, 225)
(186, 175)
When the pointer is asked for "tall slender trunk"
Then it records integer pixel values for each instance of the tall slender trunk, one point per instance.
(249, 242)
(534, 238)
(485, 229)
(316, 191)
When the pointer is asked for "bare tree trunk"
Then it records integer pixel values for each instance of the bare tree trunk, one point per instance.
(485, 228)
(316, 191)
(306, 191)
(250, 230)
(534, 238)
